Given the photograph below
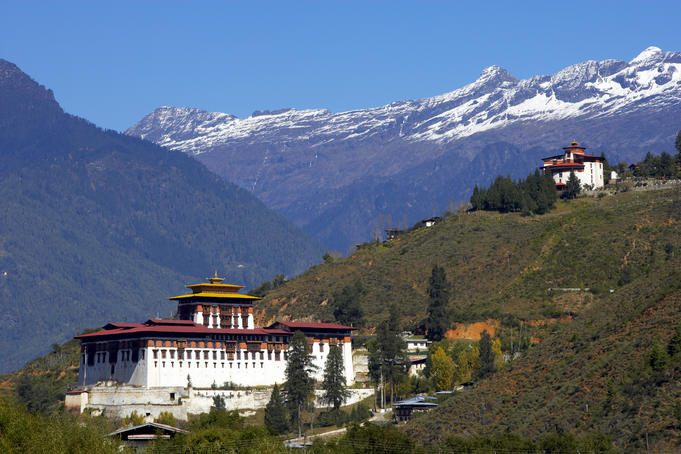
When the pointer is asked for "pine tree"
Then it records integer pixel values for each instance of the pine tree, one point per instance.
(476, 199)
(487, 357)
(375, 365)
(674, 346)
(658, 358)
(607, 169)
(334, 380)
(347, 307)
(275, 412)
(299, 385)
(437, 322)
(218, 402)
(572, 187)
(390, 348)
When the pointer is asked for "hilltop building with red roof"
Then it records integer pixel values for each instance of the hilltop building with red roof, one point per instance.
(587, 168)
(213, 342)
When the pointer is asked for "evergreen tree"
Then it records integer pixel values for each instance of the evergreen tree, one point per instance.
(476, 199)
(535, 194)
(677, 143)
(666, 166)
(658, 359)
(606, 169)
(375, 365)
(299, 385)
(334, 380)
(487, 356)
(391, 350)
(275, 412)
(347, 307)
(218, 402)
(674, 346)
(437, 322)
(572, 188)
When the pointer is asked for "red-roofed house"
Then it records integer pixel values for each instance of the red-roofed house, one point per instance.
(587, 168)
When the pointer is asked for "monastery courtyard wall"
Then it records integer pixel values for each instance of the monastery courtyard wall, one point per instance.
(121, 401)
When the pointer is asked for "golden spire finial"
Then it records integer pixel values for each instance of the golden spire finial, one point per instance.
(215, 279)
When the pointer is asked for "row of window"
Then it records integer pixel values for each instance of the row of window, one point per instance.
(248, 337)
(187, 354)
(125, 355)
(198, 364)
(226, 321)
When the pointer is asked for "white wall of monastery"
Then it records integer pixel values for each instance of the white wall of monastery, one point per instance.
(161, 366)
(591, 175)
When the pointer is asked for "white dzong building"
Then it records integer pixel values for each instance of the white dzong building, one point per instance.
(214, 342)
(587, 168)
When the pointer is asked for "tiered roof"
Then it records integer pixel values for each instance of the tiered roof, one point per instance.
(215, 291)
(155, 327)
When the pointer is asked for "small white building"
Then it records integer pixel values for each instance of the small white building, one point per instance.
(587, 168)
(417, 365)
(613, 176)
(417, 344)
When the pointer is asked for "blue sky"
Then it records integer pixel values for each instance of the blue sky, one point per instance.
(114, 62)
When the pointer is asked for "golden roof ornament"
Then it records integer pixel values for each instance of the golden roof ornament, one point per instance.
(215, 279)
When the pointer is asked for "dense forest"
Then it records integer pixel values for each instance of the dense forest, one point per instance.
(535, 194)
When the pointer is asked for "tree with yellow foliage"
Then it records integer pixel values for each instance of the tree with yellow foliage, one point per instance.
(467, 364)
(133, 419)
(496, 352)
(442, 370)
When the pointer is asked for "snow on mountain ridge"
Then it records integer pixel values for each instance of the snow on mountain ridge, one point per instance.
(651, 53)
(495, 99)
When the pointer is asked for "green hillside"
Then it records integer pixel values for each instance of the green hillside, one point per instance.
(97, 226)
(611, 265)
(596, 374)
(500, 266)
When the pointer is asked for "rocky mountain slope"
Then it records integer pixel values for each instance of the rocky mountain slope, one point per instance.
(334, 173)
(99, 226)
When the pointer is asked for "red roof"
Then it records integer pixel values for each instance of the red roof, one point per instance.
(170, 327)
(311, 325)
(157, 321)
(566, 164)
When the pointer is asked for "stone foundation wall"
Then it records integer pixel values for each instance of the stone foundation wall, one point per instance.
(121, 401)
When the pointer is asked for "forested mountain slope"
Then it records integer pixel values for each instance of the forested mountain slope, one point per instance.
(607, 371)
(98, 226)
(598, 283)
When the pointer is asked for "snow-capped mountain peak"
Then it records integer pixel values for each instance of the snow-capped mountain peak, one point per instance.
(327, 169)
(588, 89)
(651, 53)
